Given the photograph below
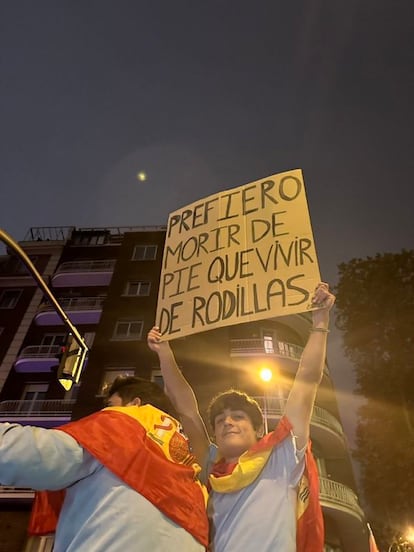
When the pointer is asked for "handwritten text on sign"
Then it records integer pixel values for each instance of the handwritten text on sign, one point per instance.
(240, 255)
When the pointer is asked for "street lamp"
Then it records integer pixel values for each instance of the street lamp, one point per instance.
(266, 375)
(73, 363)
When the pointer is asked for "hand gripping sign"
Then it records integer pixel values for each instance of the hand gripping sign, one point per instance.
(240, 255)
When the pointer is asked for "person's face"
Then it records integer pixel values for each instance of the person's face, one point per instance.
(234, 433)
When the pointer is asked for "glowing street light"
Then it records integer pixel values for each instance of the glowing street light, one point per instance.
(266, 374)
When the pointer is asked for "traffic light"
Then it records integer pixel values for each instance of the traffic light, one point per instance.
(72, 359)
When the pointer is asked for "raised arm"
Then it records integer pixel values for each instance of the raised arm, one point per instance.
(301, 399)
(181, 394)
(40, 458)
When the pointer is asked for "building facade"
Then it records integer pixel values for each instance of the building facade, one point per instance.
(107, 280)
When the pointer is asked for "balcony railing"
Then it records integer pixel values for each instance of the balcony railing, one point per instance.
(275, 407)
(325, 418)
(49, 407)
(87, 266)
(121, 230)
(37, 358)
(258, 346)
(339, 494)
(40, 351)
(76, 303)
(255, 346)
(84, 273)
(81, 310)
(48, 233)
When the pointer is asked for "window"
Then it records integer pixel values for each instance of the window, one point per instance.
(53, 339)
(9, 298)
(144, 253)
(32, 397)
(137, 289)
(269, 337)
(51, 343)
(35, 391)
(286, 349)
(128, 329)
(112, 373)
(268, 344)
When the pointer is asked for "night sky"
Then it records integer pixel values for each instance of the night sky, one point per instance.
(205, 96)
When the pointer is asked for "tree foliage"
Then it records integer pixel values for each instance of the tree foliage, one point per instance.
(375, 311)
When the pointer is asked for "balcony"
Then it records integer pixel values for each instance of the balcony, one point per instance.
(45, 413)
(259, 347)
(84, 273)
(80, 310)
(37, 358)
(340, 503)
(326, 430)
(337, 496)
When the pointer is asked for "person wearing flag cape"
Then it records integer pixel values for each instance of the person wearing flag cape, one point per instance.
(264, 490)
(122, 479)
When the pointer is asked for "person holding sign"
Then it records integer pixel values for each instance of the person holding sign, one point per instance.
(264, 489)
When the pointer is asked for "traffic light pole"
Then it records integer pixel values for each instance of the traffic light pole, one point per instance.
(8, 240)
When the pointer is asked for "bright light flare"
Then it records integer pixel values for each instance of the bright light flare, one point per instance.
(410, 535)
(266, 374)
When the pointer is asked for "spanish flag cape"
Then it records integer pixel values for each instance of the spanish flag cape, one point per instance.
(228, 478)
(144, 448)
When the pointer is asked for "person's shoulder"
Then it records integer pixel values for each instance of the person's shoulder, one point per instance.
(287, 454)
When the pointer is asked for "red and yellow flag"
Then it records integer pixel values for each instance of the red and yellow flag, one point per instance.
(144, 448)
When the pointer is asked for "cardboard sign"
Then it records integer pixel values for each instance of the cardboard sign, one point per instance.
(241, 255)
